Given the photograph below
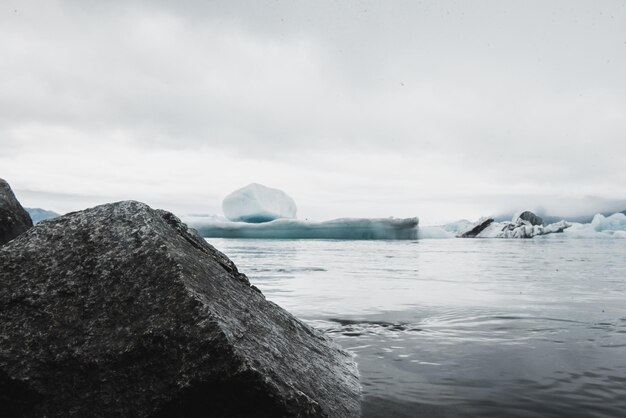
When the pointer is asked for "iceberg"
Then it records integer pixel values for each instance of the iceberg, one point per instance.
(613, 226)
(256, 203)
(477, 228)
(434, 232)
(458, 226)
(615, 222)
(525, 229)
(344, 229)
(261, 212)
(528, 216)
(524, 225)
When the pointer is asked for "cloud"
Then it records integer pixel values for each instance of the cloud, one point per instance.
(360, 108)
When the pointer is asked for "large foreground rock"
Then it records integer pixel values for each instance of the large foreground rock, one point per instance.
(14, 220)
(119, 310)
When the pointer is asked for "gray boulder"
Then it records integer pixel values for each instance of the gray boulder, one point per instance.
(14, 220)
(530, 217)
(120, 310)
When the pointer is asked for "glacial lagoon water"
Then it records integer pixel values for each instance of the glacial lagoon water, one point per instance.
(461, 327)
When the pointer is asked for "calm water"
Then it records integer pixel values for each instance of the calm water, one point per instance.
(452, 327)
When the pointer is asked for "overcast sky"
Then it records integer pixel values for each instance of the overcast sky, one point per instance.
(436, 109)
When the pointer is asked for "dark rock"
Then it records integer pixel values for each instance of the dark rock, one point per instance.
(38, 214)
(14, 220)
(477, 228)
(120, 310)
(530, 217)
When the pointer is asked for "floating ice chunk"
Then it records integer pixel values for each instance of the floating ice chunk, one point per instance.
(529, 217)
(615, 222)
(524, 229)
(521, 228)
(430, 232)
(477, 228)
(256, 203)
(458, 227)
(346, 228)
(601, 226)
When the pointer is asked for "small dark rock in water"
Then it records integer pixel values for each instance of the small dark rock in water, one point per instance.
(120, 310)
(530, 217)
(14, 220)
(477, 229)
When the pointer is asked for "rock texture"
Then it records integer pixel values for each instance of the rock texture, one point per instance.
(14, 220)
(120, 310)
(477, 228)
(530, 217)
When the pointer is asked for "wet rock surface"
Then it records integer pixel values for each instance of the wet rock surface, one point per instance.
(14, 220)
(120, 310)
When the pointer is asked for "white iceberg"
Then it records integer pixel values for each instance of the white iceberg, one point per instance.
(524, 229)
(601, 226)
(613, 226)
(615, 222)
(458, 227)
(345, 228)
(256, 203)
(525, 225)
(434, 232)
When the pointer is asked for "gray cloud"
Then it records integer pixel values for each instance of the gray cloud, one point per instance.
(512, 98)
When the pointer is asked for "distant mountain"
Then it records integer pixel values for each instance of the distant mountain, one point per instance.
(38, 214)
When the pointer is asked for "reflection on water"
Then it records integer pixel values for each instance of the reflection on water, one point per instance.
(450, 328)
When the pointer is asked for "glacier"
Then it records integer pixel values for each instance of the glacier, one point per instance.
(343, 228)
(256, 203)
